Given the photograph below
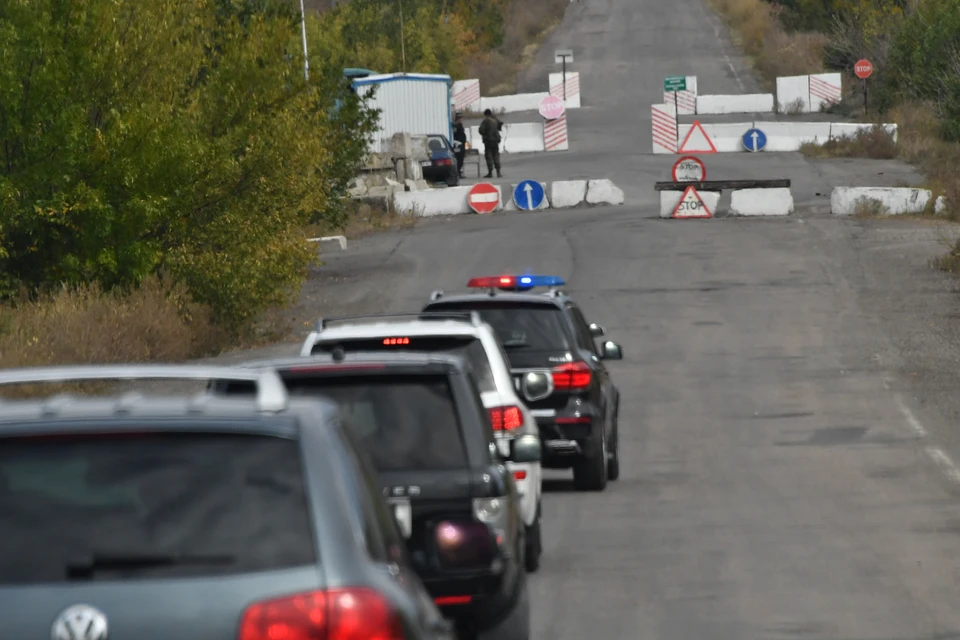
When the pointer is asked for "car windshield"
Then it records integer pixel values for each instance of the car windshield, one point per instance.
(468, 347)
(520, 326)
(406, 422)
(436, 143)
(228, 503)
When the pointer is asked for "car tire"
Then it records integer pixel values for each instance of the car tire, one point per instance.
(613, 464)
(534, 544)
(516, 626)
(590, 472)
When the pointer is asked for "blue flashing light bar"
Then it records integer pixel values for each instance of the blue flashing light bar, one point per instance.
(515, 283)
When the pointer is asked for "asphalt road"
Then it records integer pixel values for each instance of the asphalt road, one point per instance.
(789, 386)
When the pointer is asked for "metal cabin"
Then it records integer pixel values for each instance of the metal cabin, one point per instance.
(414, 103)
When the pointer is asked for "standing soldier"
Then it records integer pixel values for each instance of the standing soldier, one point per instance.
(490, 132)
(459, 142)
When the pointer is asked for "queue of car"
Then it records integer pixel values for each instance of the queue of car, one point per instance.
(386, 483)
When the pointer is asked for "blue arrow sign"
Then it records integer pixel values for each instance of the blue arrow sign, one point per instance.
(528, 195)
(754, 140)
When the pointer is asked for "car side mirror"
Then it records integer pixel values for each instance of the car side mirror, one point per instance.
(611, 351)
(525, 449)
(596, 330)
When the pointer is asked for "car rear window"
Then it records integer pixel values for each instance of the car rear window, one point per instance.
(520, 326)
(230, 503)
(406, 422)
(468, 347)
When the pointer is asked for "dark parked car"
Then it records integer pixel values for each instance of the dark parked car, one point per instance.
(558, 367)
(442, 165)
(195, 517)
(421, 417)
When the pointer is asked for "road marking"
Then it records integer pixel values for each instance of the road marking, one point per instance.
(944, 462)
(912, 421)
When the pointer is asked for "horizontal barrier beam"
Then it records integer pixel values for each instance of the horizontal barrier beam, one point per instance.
(715, 185)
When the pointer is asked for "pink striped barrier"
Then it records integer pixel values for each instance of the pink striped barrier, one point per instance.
(555, 134)
(466, 95)
(572, 86)
(685, 101)
(664, 128)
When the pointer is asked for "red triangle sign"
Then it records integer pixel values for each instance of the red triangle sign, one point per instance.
(691, 205)
(697, 141)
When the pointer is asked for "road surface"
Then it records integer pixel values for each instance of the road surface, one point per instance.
(789, 406)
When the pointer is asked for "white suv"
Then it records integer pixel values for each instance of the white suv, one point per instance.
(467, 335)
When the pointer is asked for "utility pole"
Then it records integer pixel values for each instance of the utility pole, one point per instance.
(403, 49)
(303, 26)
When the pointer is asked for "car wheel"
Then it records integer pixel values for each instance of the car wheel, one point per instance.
(613, 464)
(534, 544)
(590, 472)
(516, 626)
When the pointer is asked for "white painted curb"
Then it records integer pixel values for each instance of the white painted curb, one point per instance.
(844, 200)
(341, 240)
(567, 193)
(670, 199)
(761, 202)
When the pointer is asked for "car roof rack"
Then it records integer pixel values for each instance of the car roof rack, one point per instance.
(473, 317)
(271, 393)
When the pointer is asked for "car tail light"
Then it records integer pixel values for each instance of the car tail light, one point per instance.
(352, 613)
(520, 475)
(445, 162)
(572, 375)
(506, 418)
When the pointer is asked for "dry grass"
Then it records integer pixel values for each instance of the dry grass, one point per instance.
(366, 217)
(870, 208)
(526, 25)
(876, 143)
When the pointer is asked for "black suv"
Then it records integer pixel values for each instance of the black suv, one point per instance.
(195, 517)
(422, 420)
(557, 367)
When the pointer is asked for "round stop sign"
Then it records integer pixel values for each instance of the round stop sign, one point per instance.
(689, 169)
(863, 69)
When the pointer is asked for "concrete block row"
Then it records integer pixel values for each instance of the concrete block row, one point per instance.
(724, 104)
(728, 137)
(808, 94)
(847, 201)
(743, 202)
(465, 95)
(525, 137)
(794, 94)
(560, 194)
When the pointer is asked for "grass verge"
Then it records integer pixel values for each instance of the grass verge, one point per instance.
(366, 217)
(875, 142)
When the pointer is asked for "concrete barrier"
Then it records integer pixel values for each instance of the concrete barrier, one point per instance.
(670, 199)
(516, 137)
(434, 202)
(555, 81)
(722, 104)
(513, 103)
(844, 201)
(663, 125)
(341, 240)
(555, 136)
(685, 101)
(761, 202)
(793, 94)
(567, 193)
(726, 137)
(825, 89)
(603, 192)
(789, 136)
(849, 129)
(466, 95)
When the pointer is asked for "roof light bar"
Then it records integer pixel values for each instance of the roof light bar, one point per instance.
(515, 283)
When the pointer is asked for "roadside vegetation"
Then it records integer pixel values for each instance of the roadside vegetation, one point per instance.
(163, 163)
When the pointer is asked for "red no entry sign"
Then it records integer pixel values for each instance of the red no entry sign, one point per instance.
(483, 197)
(863, 69)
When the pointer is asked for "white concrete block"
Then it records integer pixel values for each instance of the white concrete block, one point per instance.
(513, 103)
(521, 137)
(555, 82)
(850, 129)
(434, 202)
(844, 200)
(686, 100)
(466, 94)
(726, 137)
(940, 206)
(825, 89)
(788, 136)
(747, 103)
(510, 205)
(670, 199)
(567, 193)
(604, 192)
(761, 202)
(793, 92)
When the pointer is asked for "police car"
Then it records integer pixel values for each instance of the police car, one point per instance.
(464, 334)
(557, 367)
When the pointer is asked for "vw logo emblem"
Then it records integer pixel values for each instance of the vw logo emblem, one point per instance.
(80, 622)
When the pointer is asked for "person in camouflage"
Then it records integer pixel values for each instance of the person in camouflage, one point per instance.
(490, 133)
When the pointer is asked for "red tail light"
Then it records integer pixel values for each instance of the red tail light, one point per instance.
(506, 418)
(445, 162)
(572, 375)
(336, 614)
(519, 475)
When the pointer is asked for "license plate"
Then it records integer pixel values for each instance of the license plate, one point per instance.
(426, 164)
(403, 512)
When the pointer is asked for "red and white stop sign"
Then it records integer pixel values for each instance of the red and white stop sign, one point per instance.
(863, 69)
(551, 107)
(483, 197)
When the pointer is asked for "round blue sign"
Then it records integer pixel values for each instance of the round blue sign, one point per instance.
(754, 140)
(528, 195)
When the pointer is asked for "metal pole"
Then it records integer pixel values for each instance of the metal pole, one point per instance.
(403, 49)
(865, 96)
(303, 24)
(564, 80)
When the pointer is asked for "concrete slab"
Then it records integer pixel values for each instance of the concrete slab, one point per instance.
(567, 193)
(761, 202)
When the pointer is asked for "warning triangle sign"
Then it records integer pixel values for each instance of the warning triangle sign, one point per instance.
(691, 205)
(697, 141)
